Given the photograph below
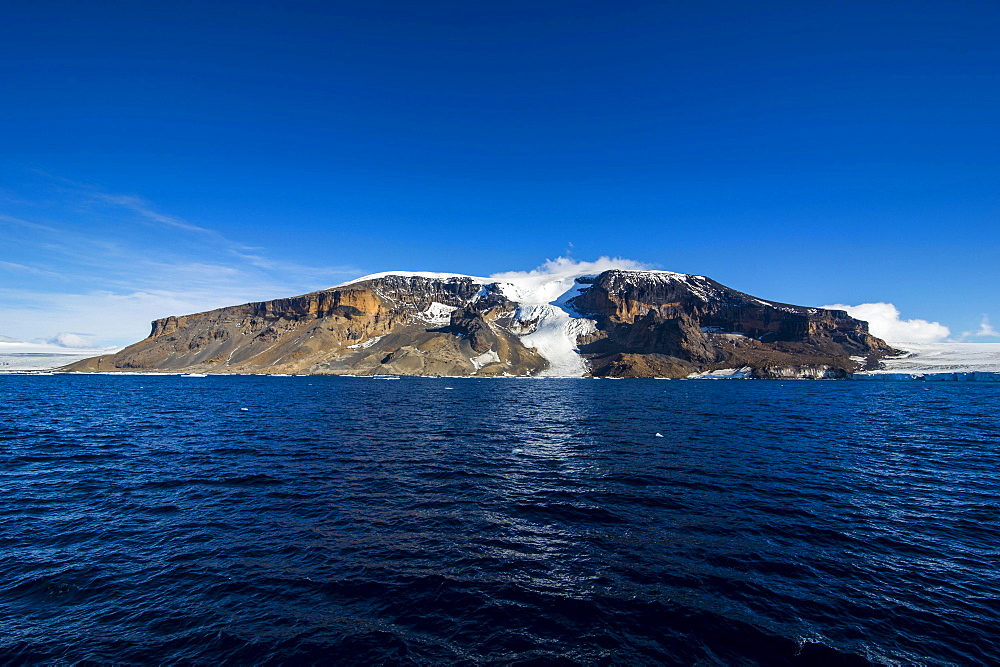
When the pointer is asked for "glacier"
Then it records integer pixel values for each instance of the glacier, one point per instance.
(940, 362)
(17, 356)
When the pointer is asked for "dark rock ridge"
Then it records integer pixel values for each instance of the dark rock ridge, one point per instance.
(635, 324)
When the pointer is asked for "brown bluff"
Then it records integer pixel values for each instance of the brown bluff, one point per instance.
(619, 323)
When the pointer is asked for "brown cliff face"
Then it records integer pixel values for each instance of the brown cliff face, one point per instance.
(659, 323)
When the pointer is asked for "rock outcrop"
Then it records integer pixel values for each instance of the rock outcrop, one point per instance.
(621, 323)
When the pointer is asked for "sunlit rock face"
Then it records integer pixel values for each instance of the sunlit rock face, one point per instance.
(405, 325)
(618, 323)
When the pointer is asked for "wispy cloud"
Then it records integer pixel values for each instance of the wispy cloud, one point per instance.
(985, 330)
(76, 261)
(142, 207)
(14, 266)
(72, 340)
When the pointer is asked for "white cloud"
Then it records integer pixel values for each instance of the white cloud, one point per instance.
(552, 279)
(68, 339)
(884, 322)
(985, 330)
(567, 265)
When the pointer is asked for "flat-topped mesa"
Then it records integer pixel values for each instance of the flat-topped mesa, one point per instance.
(619, 322)
(386, 324)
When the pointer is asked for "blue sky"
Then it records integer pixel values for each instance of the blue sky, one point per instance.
(163, 158)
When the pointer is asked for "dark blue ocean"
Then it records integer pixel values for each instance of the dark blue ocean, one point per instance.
(153, 519)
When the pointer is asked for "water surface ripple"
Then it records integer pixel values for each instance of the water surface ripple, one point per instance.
(152, 519)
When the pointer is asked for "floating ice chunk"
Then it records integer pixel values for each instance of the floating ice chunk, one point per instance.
(960, 376)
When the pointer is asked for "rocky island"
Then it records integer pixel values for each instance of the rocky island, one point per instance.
(618, 323)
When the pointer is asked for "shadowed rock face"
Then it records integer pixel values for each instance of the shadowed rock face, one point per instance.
(663, 324)
(648, 324)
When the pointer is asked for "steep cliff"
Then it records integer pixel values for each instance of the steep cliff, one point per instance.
(618, 323)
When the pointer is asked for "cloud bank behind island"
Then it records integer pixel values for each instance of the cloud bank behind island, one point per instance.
(884, 321)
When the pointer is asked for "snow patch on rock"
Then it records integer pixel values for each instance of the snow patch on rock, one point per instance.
(366, 344)
(414, 274)
(438, 314)
(484, 359)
